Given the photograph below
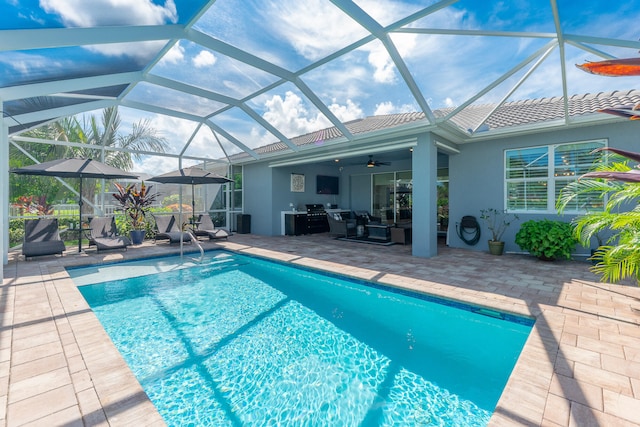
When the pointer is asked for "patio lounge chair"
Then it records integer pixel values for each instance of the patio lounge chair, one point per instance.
(341, 227)
(41, 237)
(104, 236)
(167, 229)
(206, 228)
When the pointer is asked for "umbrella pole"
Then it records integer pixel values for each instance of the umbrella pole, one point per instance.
(193, 204)
(80, 222)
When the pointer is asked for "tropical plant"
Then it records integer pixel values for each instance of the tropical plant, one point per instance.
(34, 205)
(547, 239)
(497, 220)
(135, 203)
(618, 184)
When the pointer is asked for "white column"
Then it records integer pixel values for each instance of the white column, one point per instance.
(4, 190)
(425, 175)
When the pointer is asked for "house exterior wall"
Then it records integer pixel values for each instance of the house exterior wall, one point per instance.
(258, 198)
(476, 176)
(476, 181)
(267, 193)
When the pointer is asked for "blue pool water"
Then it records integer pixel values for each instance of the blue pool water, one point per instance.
(243, 341)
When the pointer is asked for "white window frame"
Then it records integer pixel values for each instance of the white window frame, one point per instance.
(551, 177)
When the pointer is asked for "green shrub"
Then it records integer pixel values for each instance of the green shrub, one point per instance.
(546, 239)
(16, 232)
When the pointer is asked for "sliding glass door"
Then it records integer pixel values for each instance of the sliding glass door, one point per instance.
(392, 199)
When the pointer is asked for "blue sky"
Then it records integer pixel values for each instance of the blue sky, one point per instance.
(292, 34)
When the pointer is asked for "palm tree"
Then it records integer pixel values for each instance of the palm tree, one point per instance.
(618, 184)
(104, 133)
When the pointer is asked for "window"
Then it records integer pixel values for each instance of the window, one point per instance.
(536, 176)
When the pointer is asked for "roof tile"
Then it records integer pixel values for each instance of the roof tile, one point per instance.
(510, 114)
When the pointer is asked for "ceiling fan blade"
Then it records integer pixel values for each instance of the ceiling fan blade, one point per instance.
(377, 163)
(371, 163)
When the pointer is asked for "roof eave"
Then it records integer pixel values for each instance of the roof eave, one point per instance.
(585, 120)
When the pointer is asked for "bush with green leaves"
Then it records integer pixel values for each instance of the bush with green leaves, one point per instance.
(16, 232)
(547, 239)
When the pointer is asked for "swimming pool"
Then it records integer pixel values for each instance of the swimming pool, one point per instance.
(244, 341)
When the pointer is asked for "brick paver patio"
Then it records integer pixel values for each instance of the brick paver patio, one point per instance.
(580, 365)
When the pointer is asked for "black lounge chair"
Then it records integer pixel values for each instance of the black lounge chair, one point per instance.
(41, 237)
(104, 236)
(167, 229)
(206, 228)
(341, 227)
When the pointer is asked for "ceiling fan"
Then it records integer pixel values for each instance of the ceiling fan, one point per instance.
(373, 163)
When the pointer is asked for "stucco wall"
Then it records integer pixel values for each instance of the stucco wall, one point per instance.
(476, 181)
(477, 175)
(267, 192)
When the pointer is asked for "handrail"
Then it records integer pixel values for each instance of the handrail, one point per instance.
(197, 242)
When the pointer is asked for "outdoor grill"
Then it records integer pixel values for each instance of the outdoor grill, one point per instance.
(316, 219)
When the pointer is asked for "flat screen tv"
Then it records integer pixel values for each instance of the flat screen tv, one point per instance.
(327, 184)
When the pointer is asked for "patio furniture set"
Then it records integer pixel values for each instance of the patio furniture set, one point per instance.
(42, 235)
(360, 225)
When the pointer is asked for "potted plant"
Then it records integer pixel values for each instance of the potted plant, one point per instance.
(546, 239)
(497, 221)
(135, 204)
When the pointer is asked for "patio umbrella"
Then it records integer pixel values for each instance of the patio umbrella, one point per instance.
(613, 67)
(193, 176)
(75, 168)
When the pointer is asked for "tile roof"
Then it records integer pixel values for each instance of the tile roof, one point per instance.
(510, 114)
(533, 111)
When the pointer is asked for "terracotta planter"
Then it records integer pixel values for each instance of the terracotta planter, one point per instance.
(496, 247)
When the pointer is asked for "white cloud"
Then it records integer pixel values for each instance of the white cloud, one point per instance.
(290, 116)
(298, 22)
(143, 52)
(96, 13)
(348, 112)
(204, 59)
(313, 41)
(155, 165)
(386, 12)
(384, 68)
(178, 132)
(388, 107)
(175, 55)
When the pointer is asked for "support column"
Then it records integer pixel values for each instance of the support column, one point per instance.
(425, 176)
(4, 190)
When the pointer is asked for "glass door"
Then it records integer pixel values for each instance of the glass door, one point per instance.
(392, 196)
(383, 196)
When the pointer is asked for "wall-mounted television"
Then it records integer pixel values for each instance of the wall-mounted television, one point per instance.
(327, 184)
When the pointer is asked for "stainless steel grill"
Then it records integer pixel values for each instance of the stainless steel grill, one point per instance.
(316, 219)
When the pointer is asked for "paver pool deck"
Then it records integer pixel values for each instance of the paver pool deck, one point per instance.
(579, 367)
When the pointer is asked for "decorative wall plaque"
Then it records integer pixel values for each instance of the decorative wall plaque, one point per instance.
(297, 183)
